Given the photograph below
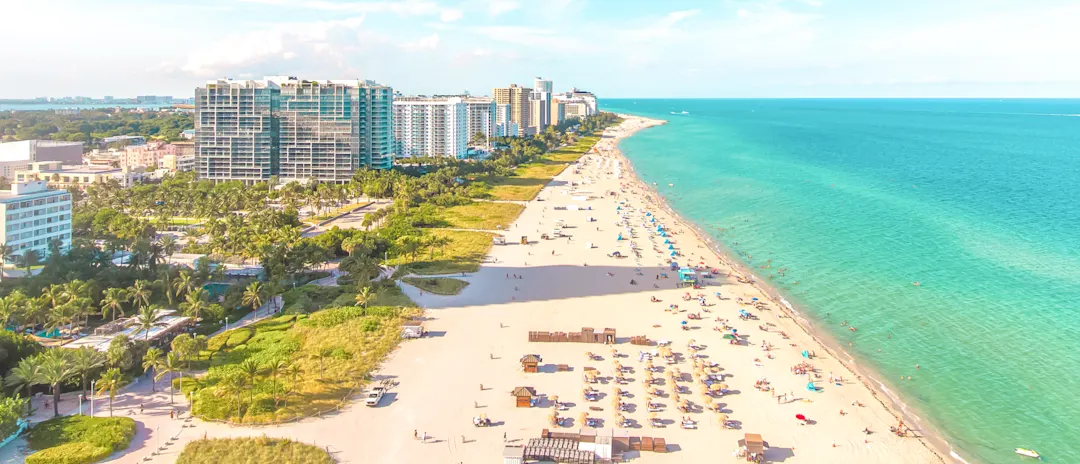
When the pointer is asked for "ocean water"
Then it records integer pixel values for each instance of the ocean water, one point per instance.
(854, 200)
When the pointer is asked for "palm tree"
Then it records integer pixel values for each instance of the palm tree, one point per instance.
(85, 360)
(110, 382)
(25, 375)
(293, 372)
(54, 296)
(5, 253)
(184, 283)
(250, 368)
(364, 296)
(168, 246)
(139, 292)
(56, 368)
(147, 318)
(8, 308)
(195, 302)
(277, 367)
(234, 384)
(113, 301)
(151, 360)
(169, 365)
(254, 295)
(29, 259)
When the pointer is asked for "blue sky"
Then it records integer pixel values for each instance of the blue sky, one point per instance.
(615, 48)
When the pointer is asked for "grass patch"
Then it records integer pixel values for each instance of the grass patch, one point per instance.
(482, 215)
(257, 449)
(530, 178)
(79, 439)
(438, 285)
(342, 210)
(333, 351)
(465, 252)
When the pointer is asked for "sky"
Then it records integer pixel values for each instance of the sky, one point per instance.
(614, 48)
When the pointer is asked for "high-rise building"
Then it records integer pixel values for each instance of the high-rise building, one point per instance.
(430, 126)
(579, 96)
(250, 130)
(481, 117)
(504, 127)
(518, 99)
(541, 117)
(33, 215)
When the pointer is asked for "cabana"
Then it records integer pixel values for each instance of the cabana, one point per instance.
(530, 363)
(525, 396)
(754, 446)
(687, 276)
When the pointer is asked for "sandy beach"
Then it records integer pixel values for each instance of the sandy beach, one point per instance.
(470, 361)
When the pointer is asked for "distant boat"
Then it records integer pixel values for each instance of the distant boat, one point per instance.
(1028, 453)
(670, 185)
(685, 112)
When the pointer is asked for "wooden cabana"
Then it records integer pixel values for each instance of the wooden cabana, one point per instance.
(530, 363)
(524, 396)
(754, 446)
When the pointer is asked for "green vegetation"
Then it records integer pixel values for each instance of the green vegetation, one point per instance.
(90, 126)
(464, 252)
(79, 439)
(294, 365)
(342, 210)
(571, 153)
(482, 215)
(255, 450)
(526, 181)
(438, 285)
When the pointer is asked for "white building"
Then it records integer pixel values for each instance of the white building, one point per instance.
(574, 97)
(504, 127)
(481, 112)
(435, 126)
(540, 104)
(33, 215)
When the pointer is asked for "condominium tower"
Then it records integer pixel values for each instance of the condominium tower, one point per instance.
(482, 114)
(250, 130)
(518, 99)
(540, 104)
(430, 126)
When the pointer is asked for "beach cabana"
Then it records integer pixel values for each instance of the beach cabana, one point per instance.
(530, 363)
(524, 396)
(754, 446)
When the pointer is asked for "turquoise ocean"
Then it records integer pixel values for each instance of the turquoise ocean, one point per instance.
(977, 200)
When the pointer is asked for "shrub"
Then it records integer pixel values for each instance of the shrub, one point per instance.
(257, 449)
(79, 439)
(238, 337)
(369, 325)
(79, 452)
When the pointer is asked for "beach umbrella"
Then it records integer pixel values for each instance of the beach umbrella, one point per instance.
(555, 399)
(714, 387)
(729, 336)
(800, 417)
(722, 418)
(553, 417)
(583, 418)
(672, 253)
(723, 386)
(671, 247)
(709, 401)
(652, 415)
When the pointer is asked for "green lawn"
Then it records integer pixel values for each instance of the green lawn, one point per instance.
(530, 178)
(254, 450)
(465, 252)
(79, 439)
(438, 285)
(482, 215)
(334, 350)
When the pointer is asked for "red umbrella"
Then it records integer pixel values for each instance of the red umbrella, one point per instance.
(800, 417)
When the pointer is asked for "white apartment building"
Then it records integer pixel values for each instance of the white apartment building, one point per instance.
(430, 126)
(33, 215)
(504, 127)
(481, 112)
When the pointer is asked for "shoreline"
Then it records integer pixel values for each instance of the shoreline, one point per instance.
(928, 435)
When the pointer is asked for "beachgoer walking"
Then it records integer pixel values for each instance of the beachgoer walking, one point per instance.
(415, 434)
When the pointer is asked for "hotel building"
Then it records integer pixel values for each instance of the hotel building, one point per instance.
(33, 215)
(518, 99)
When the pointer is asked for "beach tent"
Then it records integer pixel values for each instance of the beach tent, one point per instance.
(672, 253)
(671, 247)
(667, 242)
(806, 354)
(810, 386)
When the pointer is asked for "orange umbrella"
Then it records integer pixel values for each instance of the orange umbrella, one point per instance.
(715, 387)
(652, 415)
(722, 418)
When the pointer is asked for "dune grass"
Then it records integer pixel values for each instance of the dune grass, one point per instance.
(79, 439)
(482, 215)
(530, 178)
(256, 449)
(333, 351)
(438, 285)
(464, 253)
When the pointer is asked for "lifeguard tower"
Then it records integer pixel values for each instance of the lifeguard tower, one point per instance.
(687, 277)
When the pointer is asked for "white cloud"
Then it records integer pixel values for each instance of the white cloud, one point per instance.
(544, 38)
(424, 43)
(399, 7)
(498, 7)
(325, 41)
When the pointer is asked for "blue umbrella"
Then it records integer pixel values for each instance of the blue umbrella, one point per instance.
(672, 253)
(667, 241)
(648, 214)
(671, 247)
(683, 322)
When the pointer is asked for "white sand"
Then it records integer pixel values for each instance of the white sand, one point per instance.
(440, 376)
